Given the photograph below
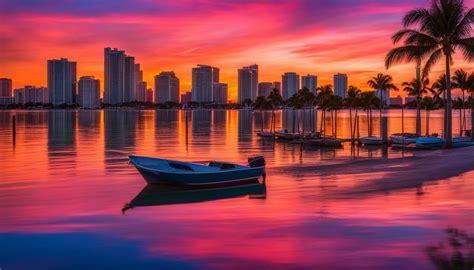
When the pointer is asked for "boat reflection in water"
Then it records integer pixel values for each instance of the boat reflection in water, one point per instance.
(153, 194)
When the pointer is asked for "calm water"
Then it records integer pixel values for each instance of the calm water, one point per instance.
(66, 179)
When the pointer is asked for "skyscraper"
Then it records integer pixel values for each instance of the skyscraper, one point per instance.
(277, 85)
(5, 87)
(141, 92)
(149, 95)
(340, 85)
(61, 81)
(203, 79)
(89, 92)
(129, 80)
(247, 83)
(119, 77)
(166, 87)
(310, 82)
(265, 88)
(219, 93)
(290, 84)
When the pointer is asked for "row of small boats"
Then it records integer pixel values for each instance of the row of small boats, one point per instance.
(412, 140)
(313, 138)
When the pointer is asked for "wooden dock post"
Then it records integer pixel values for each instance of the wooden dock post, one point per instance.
(14, 128)
(186, 117)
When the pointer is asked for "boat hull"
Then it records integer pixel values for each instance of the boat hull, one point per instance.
(371, 141)
(402, 140)
(211, 179)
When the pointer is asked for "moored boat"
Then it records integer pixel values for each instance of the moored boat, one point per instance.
(211, 173)
(265, 134)
(287, 135)
(429, 142)
(403, 138)
(371, 140)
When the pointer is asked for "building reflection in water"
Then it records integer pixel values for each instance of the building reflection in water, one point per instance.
(201, 124)
(61, 139)
(120, 134)
(245, 125)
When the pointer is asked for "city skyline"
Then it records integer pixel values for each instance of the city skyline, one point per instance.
(319, 45)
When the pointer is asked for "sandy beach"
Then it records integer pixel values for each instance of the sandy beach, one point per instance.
(375, 175)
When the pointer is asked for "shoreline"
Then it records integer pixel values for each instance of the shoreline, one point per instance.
(382, 175)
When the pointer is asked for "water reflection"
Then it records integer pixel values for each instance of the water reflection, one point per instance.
(455, 253)
(155, 195)
(120, 135)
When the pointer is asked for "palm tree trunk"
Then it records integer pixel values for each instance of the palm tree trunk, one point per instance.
(418, 116)
(350, 122)
(472, 116)
(335, 123)
(261, 113)
(463, 113)
(449, 124)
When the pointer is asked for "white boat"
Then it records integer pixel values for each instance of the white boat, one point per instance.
(429, 142)
(371, 140)
(403, 138)
(211, 173)
(287, 135)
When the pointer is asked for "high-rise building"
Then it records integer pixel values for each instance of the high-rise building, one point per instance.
(61, 81)
(219, 93)
(5, 87)
(277, 85)
(166, 87)
(203, 79)
(149, 95)
(310, 82)
(141, 92)
(31, 94)
(186, 97)
(119, 77)
(89, 92)
(290, 84)
(129, 80)
(396, 101)
(265, 88)
(384, 95)
(247, 83)
(340, 85)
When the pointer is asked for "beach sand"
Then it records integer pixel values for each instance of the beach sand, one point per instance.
(376, 175)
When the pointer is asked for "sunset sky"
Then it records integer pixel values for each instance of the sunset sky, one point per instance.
(304, 36)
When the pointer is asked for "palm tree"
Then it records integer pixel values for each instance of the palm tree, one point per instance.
(369, 101)
(323, 94)
(382, 82)
(428, 104)
(351, 101)
(442, 29)
(460, 81)
(416, 88)
(274, 99)
(260, 104)
(439, 90)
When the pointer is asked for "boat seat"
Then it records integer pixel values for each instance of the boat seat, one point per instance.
(222, 166)
(180, 166)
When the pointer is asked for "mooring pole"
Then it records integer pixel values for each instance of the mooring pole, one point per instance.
(14, 128)
(384, 129)
(186, 116)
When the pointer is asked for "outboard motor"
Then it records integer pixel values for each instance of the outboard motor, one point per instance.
(257, 161)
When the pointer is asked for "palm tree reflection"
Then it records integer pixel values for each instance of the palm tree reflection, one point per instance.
(457, 252)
